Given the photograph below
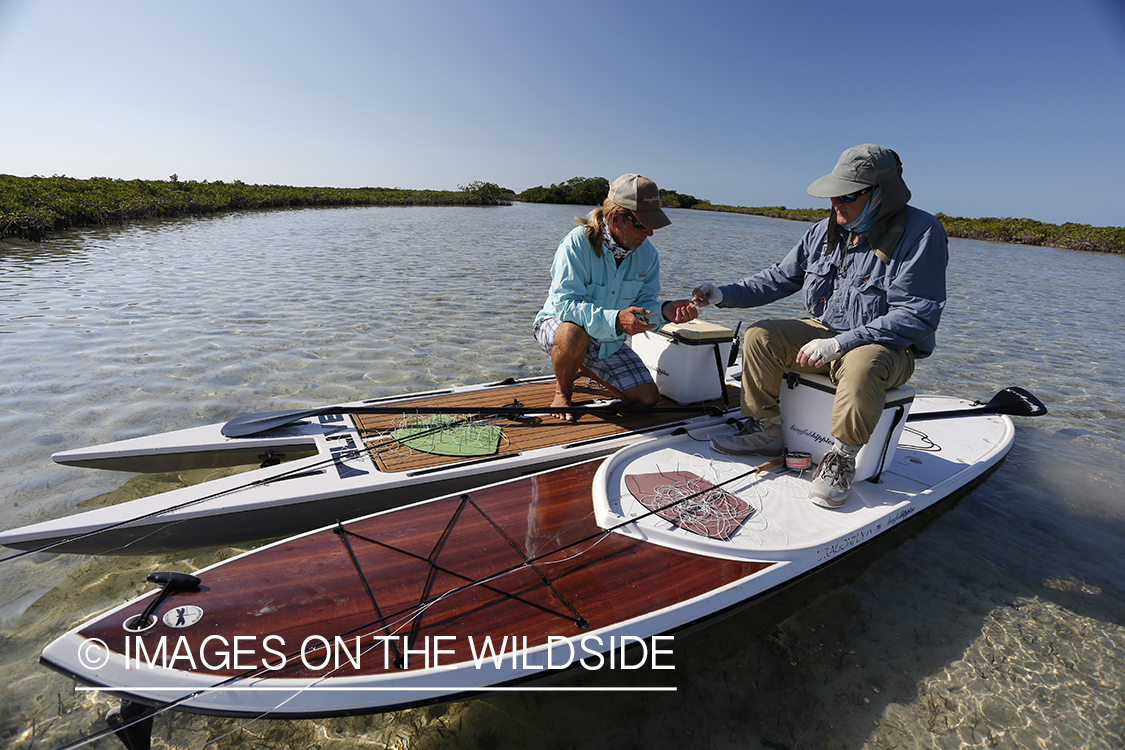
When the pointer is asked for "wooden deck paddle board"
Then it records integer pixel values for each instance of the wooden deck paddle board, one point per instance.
(340, 465)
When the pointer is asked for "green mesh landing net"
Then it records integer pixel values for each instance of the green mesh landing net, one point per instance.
(444, 435)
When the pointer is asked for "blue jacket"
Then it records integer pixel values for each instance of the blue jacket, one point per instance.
(862, 295)
(589, 291)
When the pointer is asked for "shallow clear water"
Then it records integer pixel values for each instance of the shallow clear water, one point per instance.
(997, 622)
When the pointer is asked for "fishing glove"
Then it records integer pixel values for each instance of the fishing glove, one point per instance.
(708, 294)
(821, 351)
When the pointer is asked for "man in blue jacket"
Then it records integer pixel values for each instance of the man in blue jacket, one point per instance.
(873, 279)
(605, 285)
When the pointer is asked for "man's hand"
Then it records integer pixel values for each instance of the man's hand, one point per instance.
(706, 294)
(818, 353)
(634, 320)
(680, 311)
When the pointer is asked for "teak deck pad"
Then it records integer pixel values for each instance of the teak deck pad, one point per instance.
(391, 456)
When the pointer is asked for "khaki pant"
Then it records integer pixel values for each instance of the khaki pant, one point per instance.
(862, 376)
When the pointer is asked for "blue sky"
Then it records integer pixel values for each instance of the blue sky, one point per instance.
(997, 108)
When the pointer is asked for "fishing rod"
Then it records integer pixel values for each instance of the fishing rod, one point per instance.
(1013, 401)
(245, 425)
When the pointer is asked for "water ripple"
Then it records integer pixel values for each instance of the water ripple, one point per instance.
(994, 625)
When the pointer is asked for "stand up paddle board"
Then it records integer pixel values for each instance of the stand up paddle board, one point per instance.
(347, 460)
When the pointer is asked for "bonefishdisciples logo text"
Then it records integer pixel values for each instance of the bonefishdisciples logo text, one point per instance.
(319, 653)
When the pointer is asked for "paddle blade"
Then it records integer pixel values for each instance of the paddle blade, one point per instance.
(1013, 401)
(251, 424)
(1016, 402)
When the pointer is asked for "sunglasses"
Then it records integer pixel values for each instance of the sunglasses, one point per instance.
(851, 197)
(633, 219)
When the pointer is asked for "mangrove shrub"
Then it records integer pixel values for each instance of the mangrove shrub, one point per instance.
(32, 206)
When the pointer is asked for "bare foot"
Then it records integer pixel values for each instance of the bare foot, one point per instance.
(564, 402)
(585, 373)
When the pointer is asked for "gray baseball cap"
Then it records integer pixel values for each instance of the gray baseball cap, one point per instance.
(859, 167)
(641, 196)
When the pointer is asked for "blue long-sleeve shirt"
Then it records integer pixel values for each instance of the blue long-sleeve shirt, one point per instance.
(859, 297)
(589, 290)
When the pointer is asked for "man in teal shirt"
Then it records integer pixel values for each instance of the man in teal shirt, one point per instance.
(605, 285)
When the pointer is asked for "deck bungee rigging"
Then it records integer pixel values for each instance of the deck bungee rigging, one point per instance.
(531, 562)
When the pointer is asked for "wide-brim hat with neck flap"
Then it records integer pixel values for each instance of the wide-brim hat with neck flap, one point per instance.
(641, 196)
(859, 167)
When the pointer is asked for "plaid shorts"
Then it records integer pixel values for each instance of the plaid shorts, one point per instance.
(623, 369)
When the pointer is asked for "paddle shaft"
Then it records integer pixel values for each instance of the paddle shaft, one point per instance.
(251, 424)
(953, 413)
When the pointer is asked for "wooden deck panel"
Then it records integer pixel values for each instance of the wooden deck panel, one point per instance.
(310, 586)
(391, 456)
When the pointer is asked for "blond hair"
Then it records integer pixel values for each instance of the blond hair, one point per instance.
(596, 220)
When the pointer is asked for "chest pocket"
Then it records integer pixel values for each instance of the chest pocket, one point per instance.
(820, 278)
(627, 294)
(868, 300)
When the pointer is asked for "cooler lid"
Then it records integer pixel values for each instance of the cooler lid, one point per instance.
(698, 331)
